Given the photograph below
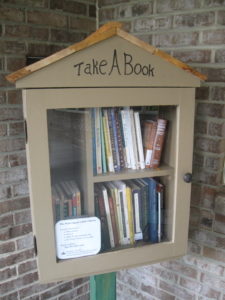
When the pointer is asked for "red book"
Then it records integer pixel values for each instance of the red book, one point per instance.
(150, 128)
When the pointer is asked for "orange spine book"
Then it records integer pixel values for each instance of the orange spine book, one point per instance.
(149, 137)
(158, 144)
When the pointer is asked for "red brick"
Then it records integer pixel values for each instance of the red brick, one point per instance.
(220, 203)
(7, 114)
(25, 242)
(83, 289)
(208, 197)
(198, 160)
(20, 230)
(106, 14)
(109, 2)
(194, 20)
(176, 39)
(212, 281)
(43, 49)
(214, 254)
(220, 56)
(13, 176)
(214, 75)
(211, 110)
(206, 219)
(16, 128)
(213, 37)
(3, 161)
(199, 288)
(145, 38)
(16, 160)
(47, 19)
(11, 47)
(17, 283)
(5, 192)
(27, 266)
(4, 82)
(221, 17)
(23, 217)
(193, 248)
(196, 193)
(6, 221)
(64, 36)
(14, 259)
(2, 97)
(3, 129)
(92, 11)
(7, 273)
(14, 97)
(77, 23)
(214, 163)
(200, 126)
(13, 296)
(57, 290)
(16, 63)
(10, 13)
(206, 177)
(20, 189)
(73, 7)
(176, 290)
(209, 145)
(170, 5)
(178, 267)
(219, 224)
(156, 292)
(36, 3)
(12, 145)
(194, 216)
(209, 238)
(23, 31)
(151, 24)
(213, 3)
(7, 247)
(218, 93)
(34, 289)
(4, 234)
(13, 205)
(217, 129)
(197, 56)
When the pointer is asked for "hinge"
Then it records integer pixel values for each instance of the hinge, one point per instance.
(35, 245)
(25, 129)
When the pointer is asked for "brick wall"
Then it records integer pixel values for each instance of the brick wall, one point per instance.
(194, 32)
(29, 28)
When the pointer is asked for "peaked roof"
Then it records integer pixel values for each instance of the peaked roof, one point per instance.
(106, 31)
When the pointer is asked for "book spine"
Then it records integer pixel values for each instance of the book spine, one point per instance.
(74, 205)
(125, 139)
(78, 204)
(107, 146)
(126, 214)
(125, 236)
(133, 133)
(129, 136)
(136, 197)
(111, 133)
(98, 141)
(119, 217)
(158, 144)
(102, 143)
(145, 214)
(130, 215)
(160, 211)
(115, 139)
(93, 141)
(153, 207)
(113, 220)
(139, 140)
(119, 138)
(108, 217)
(104, 224)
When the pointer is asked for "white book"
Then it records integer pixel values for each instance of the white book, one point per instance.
(107, 211)
(124, 209)
(130, 139)
(98, 140)
(134, 138)
(125, 135)
(139, 140)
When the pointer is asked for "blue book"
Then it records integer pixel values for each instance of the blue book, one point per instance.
(153, 209)
(102, 143)
(93, 141)
(115, 139)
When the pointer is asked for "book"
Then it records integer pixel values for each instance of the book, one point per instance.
(139, 140)
(130, 213)
(93, 141)
(116, 141)
(73, 197)
(113, 220)
(153, 209)
(55, 205)
(63, 205)
(75, 190)
(125, 139)
(107, 141)
(134, 138)
(160, 194)
(119, 137)
(67, 199)
(158, 143)
(104, 169)
(99, 202)
(98, 140)
(107, 211)
(112, 140)
(149, 132)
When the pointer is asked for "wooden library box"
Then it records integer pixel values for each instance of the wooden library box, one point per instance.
(109, 184)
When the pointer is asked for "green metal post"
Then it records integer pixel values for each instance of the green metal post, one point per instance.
(103, 287)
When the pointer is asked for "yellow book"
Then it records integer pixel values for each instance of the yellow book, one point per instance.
(107, 145)
(130, 214)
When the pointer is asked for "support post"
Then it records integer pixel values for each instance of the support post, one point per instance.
(103, 287)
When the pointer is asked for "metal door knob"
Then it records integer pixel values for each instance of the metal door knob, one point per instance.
(188, 177)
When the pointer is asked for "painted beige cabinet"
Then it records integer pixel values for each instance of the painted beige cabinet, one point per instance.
(110, 68)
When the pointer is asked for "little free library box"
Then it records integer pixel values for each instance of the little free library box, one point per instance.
(109, 125)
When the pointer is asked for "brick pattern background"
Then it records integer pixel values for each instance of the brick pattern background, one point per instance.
(29, 28)
(194, 32)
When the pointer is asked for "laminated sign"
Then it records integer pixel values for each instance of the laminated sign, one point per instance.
(78, 237)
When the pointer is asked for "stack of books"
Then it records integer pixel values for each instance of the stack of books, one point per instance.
(66, 200)
(130, 210)
(119, 142)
